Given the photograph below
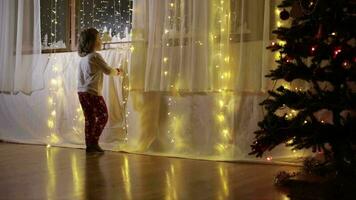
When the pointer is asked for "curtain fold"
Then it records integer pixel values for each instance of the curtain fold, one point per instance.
(20, 46)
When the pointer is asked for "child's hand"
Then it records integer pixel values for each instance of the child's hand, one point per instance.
(119, 71)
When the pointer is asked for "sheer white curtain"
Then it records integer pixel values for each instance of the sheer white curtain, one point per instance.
(53, 115)
(200, 45)
(20, 46)
(197, 77)
(195, 84)
(176, 33)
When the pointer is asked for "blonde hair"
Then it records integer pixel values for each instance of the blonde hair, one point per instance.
(86, 42)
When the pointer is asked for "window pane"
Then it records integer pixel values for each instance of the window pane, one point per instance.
(112, 17)
(54, 23)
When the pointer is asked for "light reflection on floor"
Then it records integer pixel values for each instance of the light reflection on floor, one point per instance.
(37, 172)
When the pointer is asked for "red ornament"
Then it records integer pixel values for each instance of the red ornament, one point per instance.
(337, 50)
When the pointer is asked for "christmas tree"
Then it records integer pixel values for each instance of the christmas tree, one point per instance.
(318, 51)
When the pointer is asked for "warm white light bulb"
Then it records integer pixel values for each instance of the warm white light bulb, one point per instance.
(53, 113)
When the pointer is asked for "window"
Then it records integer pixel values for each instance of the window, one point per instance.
(54, 24)
(62, 20)
(111, 16)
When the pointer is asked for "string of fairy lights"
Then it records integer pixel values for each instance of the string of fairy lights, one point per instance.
(55, 87)
(105, 15)
(220, 59)
(111, 16)
(49, 20)
(174, 132)
(220, 63)
(125, 94)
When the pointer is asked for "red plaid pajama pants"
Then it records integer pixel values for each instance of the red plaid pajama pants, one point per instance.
(95, 114)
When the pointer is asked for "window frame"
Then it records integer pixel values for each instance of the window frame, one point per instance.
(69, 36)
(72, 21)
(73, 31)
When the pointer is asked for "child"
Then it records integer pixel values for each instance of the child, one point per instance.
(90, 84)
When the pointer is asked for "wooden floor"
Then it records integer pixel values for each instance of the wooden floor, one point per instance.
(35, 172)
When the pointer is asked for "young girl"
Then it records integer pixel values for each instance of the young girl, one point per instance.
(90, 83)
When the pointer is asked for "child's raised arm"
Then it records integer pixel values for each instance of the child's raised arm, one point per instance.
(100, 63)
